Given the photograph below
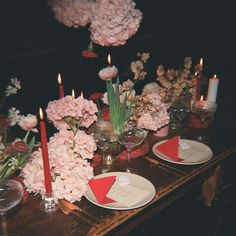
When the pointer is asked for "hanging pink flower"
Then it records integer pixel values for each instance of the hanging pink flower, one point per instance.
(72, 13)
(114, 22)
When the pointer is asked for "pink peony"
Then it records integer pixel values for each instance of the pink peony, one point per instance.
(114, 22)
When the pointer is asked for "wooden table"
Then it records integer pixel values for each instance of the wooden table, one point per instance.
(171, 182)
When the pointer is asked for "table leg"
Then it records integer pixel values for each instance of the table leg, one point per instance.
(211, 186)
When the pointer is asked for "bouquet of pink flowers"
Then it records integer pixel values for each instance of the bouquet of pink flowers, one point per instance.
(69, 150)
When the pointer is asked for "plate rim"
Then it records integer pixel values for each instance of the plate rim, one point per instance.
(107, 206)
(183, 163)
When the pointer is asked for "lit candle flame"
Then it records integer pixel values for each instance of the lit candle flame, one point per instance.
(73, 93)
(109, 59)
(201, 62)
(201, 99)
(82, 95)
(215, 77)
(59, 79)
(195, 73)
(41, 113)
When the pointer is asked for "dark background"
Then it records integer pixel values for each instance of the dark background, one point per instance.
(35, 47)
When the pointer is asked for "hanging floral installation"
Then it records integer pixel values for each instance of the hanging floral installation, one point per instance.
(112, 22)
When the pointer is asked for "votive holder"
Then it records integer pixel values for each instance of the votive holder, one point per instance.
(48, 204)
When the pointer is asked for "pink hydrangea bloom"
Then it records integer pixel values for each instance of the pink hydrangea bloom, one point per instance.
(78, 109)
(69, 168)
(114, 22)
(72, 13)
(150, 112)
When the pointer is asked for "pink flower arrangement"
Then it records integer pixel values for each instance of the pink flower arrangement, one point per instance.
(69, 166)
(114, 22)
(68, 112)
(69, 150)
(150, 112)
(175, 83)
(72, 13)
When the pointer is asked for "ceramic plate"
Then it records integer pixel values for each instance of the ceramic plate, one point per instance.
(196, 153)
(135, 180)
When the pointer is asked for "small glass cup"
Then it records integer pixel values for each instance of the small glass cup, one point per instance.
(48, 204)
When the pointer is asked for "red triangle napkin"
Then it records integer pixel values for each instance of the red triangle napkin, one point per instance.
(170, 148)
(101, 187)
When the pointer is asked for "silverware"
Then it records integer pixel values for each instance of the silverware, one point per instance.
(68, 211)
(164, 166)
(74, 207)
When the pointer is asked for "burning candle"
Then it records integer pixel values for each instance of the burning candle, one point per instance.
(109, 59)
(212, 89)
(61, 89)
(46, 166)
(199, 80)
(82, 94)
(73, 93)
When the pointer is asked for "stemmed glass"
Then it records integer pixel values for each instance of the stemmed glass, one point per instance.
(204, 111)
(104, 137)
(11, 193)
(130, 139)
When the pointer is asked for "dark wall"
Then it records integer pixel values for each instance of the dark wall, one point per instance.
(35, 47)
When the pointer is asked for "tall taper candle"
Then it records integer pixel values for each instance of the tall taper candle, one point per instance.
(199, 80)
(46, 165)
(212, 89)
(61, 88)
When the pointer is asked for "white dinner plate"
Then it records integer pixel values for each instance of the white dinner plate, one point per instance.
(196, 153)
(135, 180)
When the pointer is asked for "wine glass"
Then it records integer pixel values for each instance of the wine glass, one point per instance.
(130, 139)
(11, 193)
(103, 136)
(204, 111)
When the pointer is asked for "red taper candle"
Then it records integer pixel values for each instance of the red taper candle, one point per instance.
(46, 165)
(61, 88)
(199, 80)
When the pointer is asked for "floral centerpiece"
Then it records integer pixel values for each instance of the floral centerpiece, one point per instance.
(176, 83)
(14, 154)
(69, 150)
(121, 97)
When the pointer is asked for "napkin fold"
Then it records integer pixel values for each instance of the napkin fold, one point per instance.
(170, 148)
(100, 187)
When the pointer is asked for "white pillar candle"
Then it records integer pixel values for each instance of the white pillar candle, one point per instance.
(212, 89)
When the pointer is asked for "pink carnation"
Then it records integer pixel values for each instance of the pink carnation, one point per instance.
(79, 109)
(114, 22)
(70, 173)
(72, 13)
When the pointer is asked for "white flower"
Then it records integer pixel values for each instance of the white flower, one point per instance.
(14, 116)
(15, 82)
(13, 87)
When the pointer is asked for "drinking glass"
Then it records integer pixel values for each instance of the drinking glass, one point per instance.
(130, 139)
(204, 111)
(104, 137)
(179, 112)
(11, 193)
